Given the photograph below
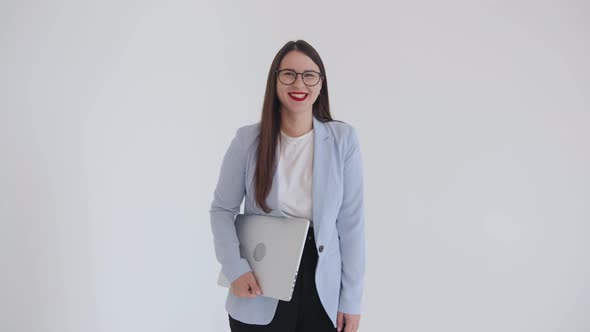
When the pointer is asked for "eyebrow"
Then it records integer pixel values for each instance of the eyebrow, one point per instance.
(317, 71)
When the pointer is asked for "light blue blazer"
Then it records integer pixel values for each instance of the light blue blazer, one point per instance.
(337, 210)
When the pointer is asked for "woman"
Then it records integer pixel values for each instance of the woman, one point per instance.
(297, 161)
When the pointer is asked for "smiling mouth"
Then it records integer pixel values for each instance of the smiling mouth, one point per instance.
(298, 96)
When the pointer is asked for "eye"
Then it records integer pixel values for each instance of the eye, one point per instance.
(310, 74)
(288, 73)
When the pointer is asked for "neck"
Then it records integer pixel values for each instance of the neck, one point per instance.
(296, 124)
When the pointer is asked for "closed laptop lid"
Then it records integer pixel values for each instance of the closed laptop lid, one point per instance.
(273, 247)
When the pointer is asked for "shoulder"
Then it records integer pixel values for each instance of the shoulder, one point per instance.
(339, 128)
(246, 136)
(344, 134)
(249, 131)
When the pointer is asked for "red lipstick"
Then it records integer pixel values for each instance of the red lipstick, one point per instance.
(298, 96)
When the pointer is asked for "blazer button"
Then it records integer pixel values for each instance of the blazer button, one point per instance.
(321, 248)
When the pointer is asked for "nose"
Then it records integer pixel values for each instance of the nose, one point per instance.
(299, 82)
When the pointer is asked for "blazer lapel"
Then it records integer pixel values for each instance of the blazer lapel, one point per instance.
(321, 162)
(273, 195)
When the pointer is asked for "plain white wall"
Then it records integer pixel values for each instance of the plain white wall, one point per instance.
(474, 125)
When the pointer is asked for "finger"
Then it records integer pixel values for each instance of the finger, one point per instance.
(250, 292)
(254, 286)
(351, 326)
(242, 290)
(348, 327)
(340, 321)
(255, 289)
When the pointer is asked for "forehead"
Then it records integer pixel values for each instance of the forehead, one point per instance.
(298, 61)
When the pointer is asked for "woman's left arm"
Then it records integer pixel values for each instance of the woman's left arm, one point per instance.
(350, 224)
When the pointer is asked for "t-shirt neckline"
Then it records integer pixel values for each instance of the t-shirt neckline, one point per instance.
(289, 139)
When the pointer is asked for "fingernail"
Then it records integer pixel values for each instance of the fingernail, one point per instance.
(257, 292)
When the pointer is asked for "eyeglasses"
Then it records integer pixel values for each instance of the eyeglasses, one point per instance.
(309, 77)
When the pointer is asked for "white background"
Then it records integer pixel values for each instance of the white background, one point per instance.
(474, 123)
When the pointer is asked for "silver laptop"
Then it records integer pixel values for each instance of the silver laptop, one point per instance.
(273, 247)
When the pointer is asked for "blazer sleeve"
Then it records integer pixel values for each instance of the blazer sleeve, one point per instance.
(227, 199)
(351, 229)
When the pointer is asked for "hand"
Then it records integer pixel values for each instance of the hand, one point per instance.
(350, 322)
(246, 286)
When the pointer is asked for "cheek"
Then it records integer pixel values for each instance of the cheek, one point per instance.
(280, 94)
(315, 95)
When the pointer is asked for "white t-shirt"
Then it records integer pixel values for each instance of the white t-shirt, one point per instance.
(295, 175)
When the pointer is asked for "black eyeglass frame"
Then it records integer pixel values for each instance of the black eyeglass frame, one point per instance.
(297, 74)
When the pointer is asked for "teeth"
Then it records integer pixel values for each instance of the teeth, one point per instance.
(298, 95)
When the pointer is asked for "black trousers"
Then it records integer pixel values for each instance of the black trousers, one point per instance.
(305, 311)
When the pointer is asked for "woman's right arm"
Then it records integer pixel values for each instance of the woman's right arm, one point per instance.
(227, 199)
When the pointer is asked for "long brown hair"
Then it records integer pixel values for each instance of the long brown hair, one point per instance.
(271, 120)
